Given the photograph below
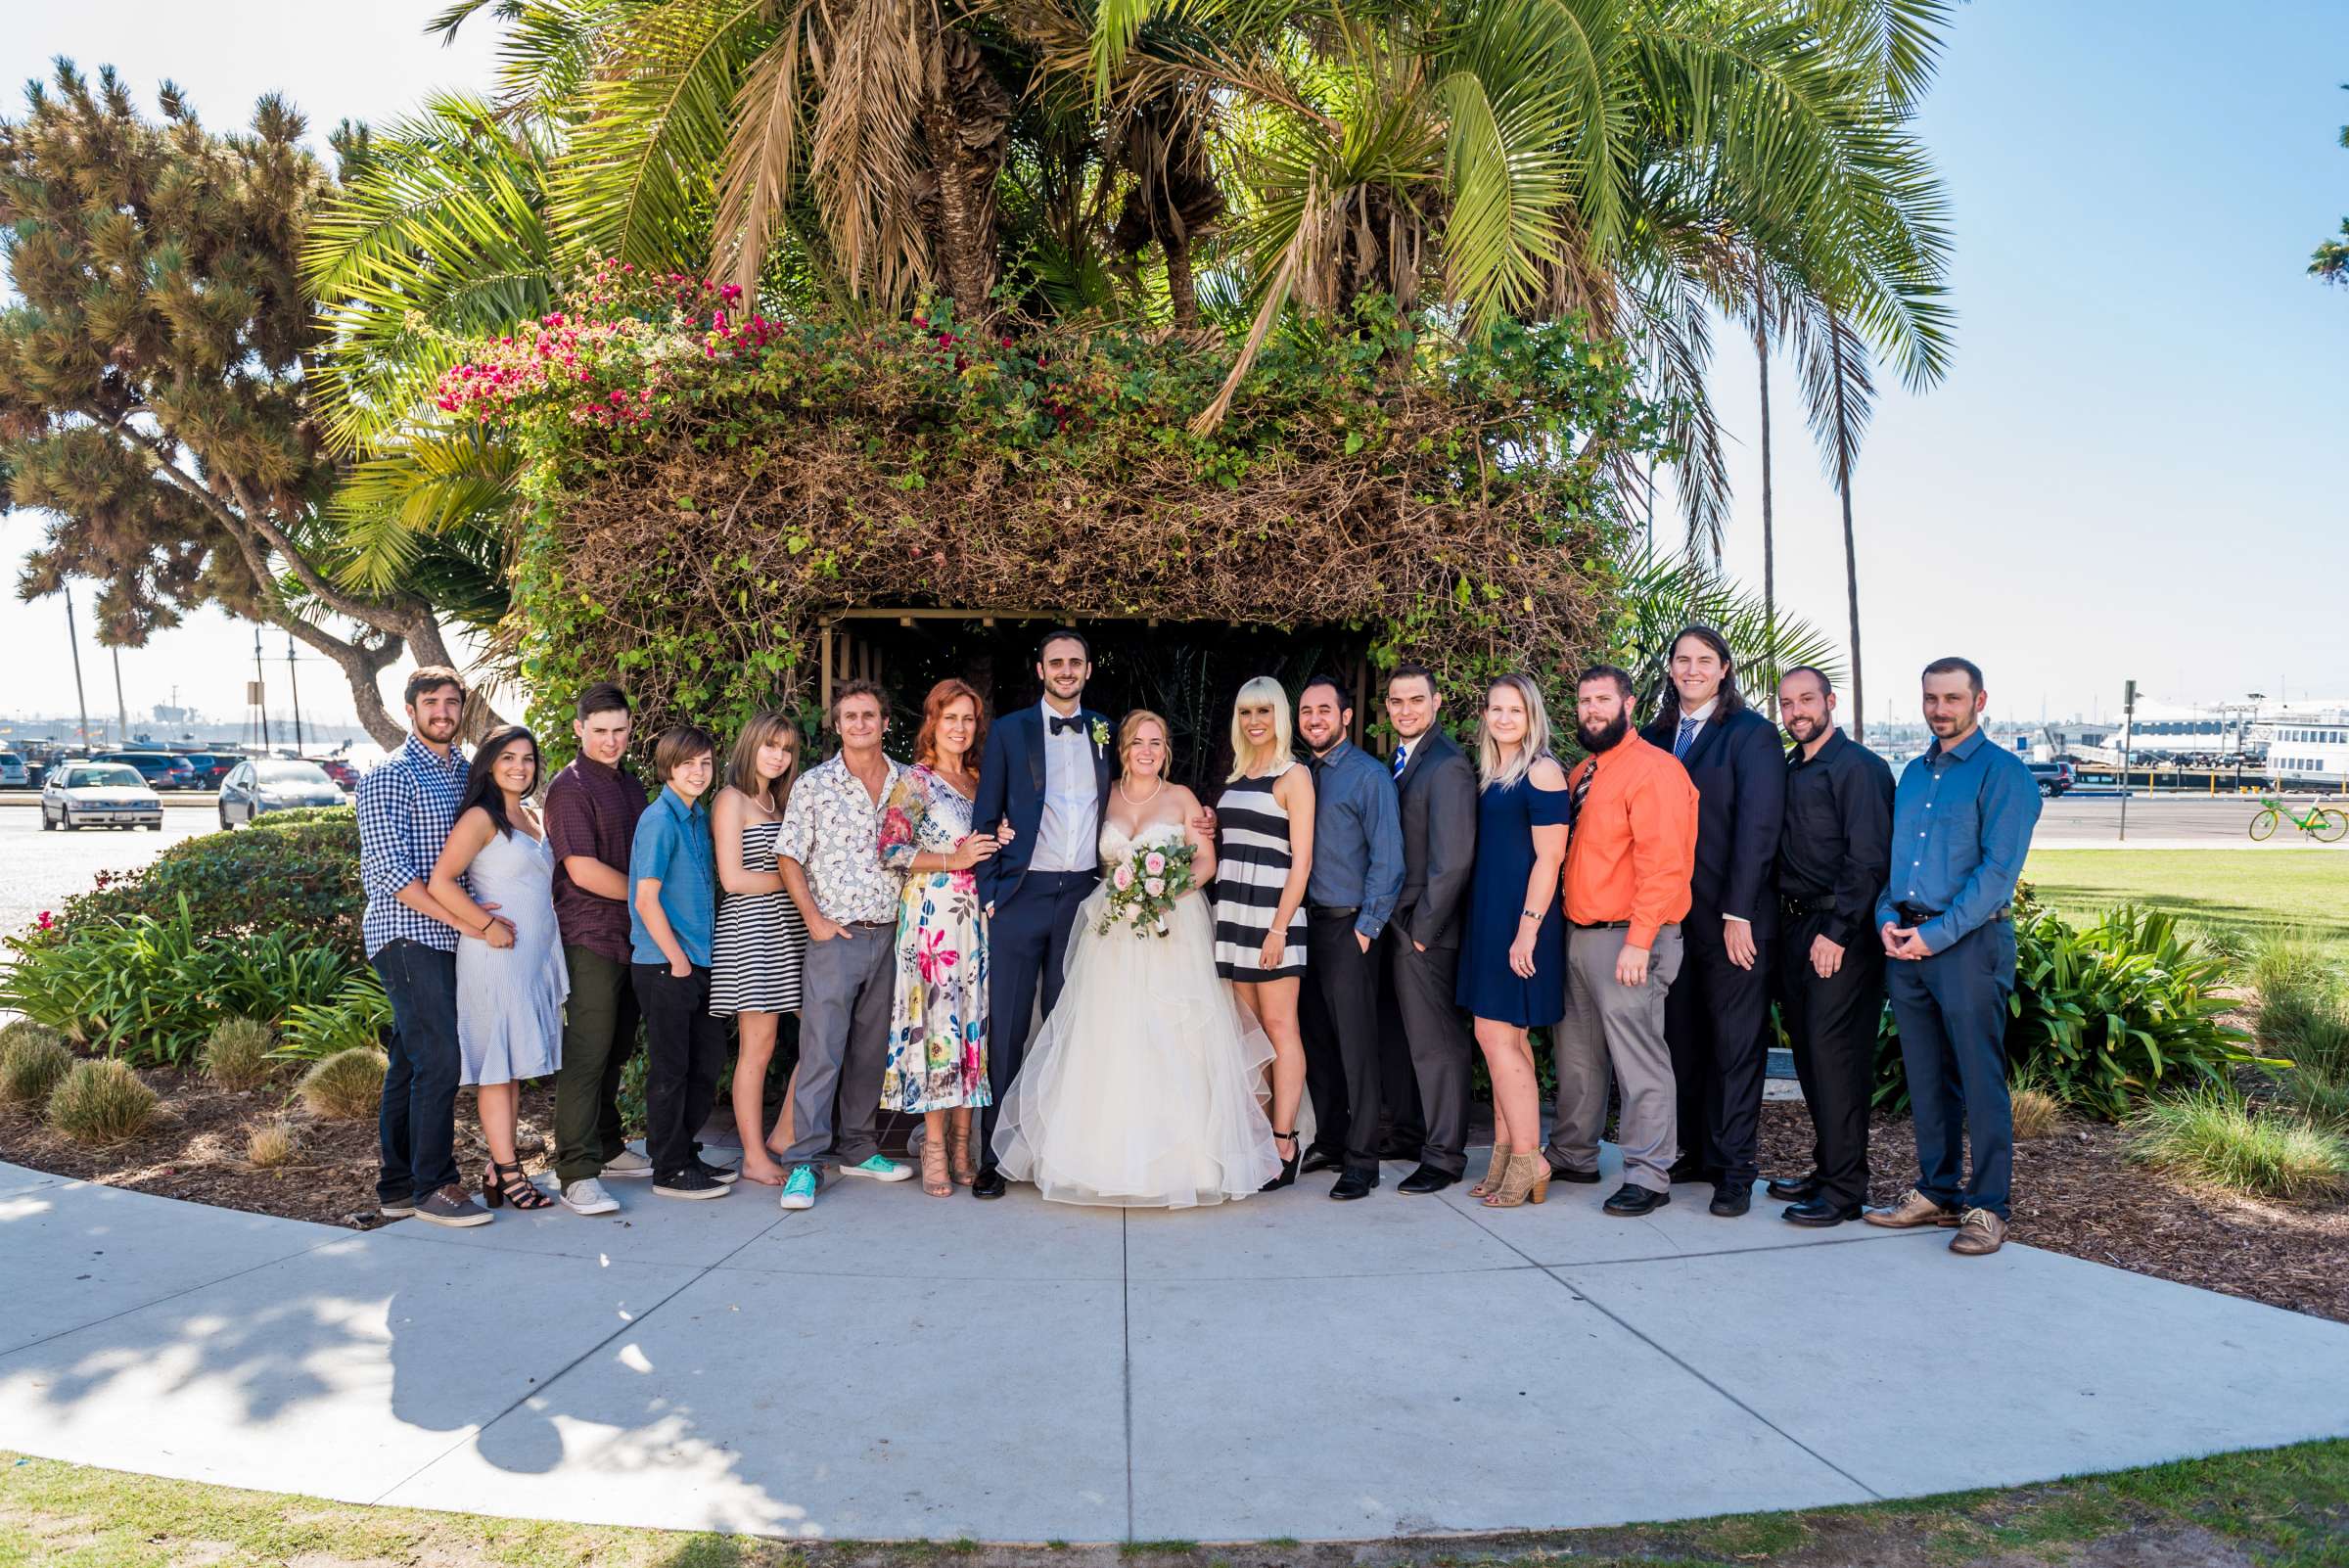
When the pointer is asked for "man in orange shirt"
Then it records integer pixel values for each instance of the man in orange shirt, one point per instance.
(1629, 864)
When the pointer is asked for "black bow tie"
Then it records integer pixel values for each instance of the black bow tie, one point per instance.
(1061, 726)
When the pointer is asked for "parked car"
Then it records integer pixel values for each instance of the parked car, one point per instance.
(345, 776)
(79, 795)
(13, 772)
(2053, 777)
(254, 788)
(161, 769)
(210, 767)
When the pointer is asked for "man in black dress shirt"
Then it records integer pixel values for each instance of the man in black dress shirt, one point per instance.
(1834, 857)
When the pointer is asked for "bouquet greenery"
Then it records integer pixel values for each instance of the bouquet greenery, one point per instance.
(1143, 885)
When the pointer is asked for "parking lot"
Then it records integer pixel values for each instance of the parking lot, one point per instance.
(45, 868)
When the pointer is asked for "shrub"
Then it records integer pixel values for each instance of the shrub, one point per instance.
(33, 1058)
(152, 989)
(299, 880)
(237, 1056)
(357, 1016)
(102, 1101)
(2302, 1016)
(2037, 1111)
(272, 1145)
(304, 816)
(347, 1086)
(2213, 1139)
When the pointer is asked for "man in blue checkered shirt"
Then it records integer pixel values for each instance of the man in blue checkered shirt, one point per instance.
(406, 807)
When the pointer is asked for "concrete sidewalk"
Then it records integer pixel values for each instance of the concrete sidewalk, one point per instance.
(892, 1366)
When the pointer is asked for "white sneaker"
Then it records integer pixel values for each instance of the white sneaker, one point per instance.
(626, 1165)
(880, 1167)
(589, 1197)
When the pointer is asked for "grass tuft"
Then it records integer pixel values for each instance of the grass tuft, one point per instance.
(2213, 1139)
(237, 1055)
(272, 1145)
(32, 1059)
(102, 1101)
(2037, 1113)
(345, 1087)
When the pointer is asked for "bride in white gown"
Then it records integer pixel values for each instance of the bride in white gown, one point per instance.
(1145, 1089)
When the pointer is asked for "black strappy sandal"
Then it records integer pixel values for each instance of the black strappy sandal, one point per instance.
(505, 1183)
(1288, 1167)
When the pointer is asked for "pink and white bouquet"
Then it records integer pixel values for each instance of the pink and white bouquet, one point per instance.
(1141, 887)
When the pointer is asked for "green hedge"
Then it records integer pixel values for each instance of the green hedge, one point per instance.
(297, 875)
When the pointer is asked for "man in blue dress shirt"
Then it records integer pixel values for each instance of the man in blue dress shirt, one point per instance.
(1961, 821)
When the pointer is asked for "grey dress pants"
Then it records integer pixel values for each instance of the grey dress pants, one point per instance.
(1615, 1030)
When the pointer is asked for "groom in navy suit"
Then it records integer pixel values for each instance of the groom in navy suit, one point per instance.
(1046, 772)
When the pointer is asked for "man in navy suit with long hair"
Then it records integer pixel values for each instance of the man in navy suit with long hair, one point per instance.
(1046, 772)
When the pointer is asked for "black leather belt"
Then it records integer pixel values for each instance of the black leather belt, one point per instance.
(1913, 915)
(1332, 911)
(872, 925)
(1602, 925)
(1805, 906)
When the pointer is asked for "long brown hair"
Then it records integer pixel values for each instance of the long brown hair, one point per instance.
(942, 695)
(1731, 701)
(742, 764)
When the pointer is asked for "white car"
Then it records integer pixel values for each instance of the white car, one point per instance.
(273, 785)
(81, 795)
(13, 775)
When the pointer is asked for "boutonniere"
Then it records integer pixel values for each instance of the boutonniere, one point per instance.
(1100, 733)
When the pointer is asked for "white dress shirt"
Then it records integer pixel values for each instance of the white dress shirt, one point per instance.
(1063, 839)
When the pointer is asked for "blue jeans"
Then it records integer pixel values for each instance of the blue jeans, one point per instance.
(1951, 1013)
(418, 1119)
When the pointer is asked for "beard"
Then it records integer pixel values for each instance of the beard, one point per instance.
(1606, 737)
(1805, 729)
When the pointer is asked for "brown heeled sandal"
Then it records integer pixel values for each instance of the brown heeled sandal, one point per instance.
(933, 1169)
(1493, 1172)
(958, 1146)
(1528, 1181)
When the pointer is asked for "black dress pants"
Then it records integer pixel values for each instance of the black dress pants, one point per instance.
(1715, 1019)
(1831, 1024)
(1338, 1015)
(684, 1051)
(1027, 948)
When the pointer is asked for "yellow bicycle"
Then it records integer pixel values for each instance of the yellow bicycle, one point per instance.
(2321, 823)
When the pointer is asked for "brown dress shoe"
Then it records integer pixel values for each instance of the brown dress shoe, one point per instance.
(1979, 1234)
(1911, 1212)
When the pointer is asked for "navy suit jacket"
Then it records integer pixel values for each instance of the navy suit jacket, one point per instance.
(1738, 766)
(1011, 789)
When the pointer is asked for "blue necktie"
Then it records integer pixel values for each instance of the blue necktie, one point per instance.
(1680, 742)
(1401, 757)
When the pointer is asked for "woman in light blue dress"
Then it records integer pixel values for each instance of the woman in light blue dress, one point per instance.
(496, 879)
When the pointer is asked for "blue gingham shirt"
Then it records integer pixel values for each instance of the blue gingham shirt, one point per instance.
(406, 807)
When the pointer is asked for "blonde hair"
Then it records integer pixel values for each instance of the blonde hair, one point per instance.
(1534, 748)
(1133, 722)
(1244, 758)
(742, 766)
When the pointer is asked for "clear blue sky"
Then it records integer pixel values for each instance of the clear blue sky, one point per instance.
(2135, 467)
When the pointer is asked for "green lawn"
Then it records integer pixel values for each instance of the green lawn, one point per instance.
(2251, 889)
(2282, 1508)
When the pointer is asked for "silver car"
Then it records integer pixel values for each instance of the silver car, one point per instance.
(81, 795)
(268, 784)
(13, 775)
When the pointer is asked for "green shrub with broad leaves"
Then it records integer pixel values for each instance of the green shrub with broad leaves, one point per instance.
(299, 879)
(356, 1018)
(2106, 1017)
(295, 816)
(152, 989)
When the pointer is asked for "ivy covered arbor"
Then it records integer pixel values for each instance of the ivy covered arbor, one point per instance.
(709, 491)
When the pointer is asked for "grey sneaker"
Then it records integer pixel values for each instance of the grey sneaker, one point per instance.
(397, 1208)
(689, 1183)
(452, 1206)
(588, 1196)
(627, 1165)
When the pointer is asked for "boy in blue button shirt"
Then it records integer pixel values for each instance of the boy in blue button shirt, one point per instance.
(672, 908)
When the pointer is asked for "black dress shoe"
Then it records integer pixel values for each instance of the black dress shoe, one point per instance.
(1427, 1178)
(1798, 1190)
(1319, 1159)
(1687, 1170)
(1728, 1202)
(1631, 1201)
(1353, 1184)
(1581, 1178)
(1820, 1213)
(989, 1184)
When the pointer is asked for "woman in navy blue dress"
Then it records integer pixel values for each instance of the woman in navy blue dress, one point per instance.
(1513, 954)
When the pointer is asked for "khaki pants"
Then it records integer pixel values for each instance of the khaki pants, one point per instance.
(1613, 1030)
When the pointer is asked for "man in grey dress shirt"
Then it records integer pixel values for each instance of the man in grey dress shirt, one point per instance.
(1357, 874)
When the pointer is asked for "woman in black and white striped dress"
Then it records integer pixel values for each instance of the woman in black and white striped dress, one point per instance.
(1263, 856)
(761, 941)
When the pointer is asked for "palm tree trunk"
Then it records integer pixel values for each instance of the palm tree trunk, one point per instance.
(1770, 563)
(964, 241)
(1181, 289)
(1851, 581)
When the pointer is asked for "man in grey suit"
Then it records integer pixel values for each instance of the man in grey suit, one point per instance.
(1437, 790)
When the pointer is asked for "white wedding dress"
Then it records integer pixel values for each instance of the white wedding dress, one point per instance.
(1145, 1087)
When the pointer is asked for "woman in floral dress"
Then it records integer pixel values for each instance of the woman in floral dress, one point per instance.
(938, 1040)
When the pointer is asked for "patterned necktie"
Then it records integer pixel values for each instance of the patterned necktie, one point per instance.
(1680, 742)
(1581, 788)
(1403, 754)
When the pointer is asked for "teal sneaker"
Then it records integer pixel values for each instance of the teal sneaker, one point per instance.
(799, 1188)
(879, 1167)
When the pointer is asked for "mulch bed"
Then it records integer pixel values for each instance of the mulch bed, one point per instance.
(2074, 1191)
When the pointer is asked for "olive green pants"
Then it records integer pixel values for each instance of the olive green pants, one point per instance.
(599, 1031)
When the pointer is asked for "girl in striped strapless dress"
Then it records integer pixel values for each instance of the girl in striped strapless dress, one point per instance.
(759, 941)
(1263, 856)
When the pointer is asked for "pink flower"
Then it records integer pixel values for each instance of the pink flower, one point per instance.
(933, 959)
(1155, 863)
(1125, 878)
(1156, 887)
(896, 828)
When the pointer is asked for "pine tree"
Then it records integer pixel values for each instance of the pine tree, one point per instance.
(152, 398)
